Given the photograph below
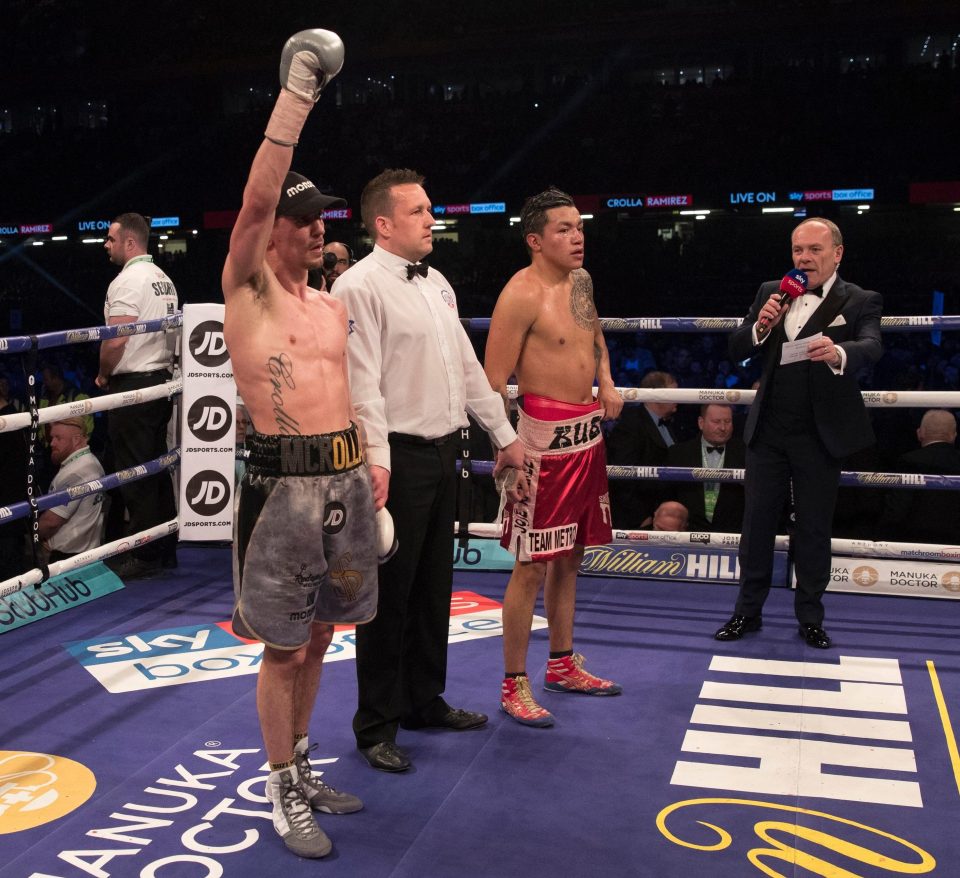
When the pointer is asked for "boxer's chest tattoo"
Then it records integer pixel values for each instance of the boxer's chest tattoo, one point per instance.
(581, 301)
(280, 369)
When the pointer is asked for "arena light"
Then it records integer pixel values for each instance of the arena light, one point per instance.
(59, 238)
(586, 216)
(777, 209)
(37, 243)
(92, 241)
(697, 213)
(863, 207)
(700, 216)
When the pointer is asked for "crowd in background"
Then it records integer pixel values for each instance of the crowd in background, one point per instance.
(485, 137)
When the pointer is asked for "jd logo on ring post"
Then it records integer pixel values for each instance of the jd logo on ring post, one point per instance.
(209, 419)
(208, 493)
(207, 345)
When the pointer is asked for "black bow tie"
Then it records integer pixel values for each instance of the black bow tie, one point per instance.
(714, 448)
(818, 292)
(420, 268)
(663, 423)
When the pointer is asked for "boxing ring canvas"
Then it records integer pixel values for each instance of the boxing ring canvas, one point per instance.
(754, 757)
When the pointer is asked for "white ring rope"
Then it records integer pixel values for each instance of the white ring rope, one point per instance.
(82, 407)
(856, 548)
(107, 550)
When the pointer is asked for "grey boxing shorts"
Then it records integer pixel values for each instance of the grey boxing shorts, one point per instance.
(305, 545)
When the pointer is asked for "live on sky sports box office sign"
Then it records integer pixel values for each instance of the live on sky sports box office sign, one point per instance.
(208, 437)
(919, 193)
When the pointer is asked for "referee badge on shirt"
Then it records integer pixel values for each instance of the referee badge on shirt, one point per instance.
(449, 298)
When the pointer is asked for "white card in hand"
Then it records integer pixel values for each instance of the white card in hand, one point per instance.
(796, 351)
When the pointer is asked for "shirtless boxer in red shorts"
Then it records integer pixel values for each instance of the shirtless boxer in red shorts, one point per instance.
(546, 332)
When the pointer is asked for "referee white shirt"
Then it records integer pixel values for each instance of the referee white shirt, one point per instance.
(412, 366)
(143, 291)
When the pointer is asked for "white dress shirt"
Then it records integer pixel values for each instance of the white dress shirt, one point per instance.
(801, 310)
(143, 291)
(412, 366)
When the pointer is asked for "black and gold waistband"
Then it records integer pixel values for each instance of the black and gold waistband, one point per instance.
(323, 454)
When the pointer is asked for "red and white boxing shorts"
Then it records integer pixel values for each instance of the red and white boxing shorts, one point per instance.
(565, 463)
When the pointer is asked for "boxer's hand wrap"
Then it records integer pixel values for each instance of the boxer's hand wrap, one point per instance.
(310, 59)
(506, 478)
(287, 120)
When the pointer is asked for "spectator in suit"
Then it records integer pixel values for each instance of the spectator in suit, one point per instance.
(713, 506)
(641, 438)
(927, 516)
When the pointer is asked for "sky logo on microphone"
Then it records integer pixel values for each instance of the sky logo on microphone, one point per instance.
(794, 283)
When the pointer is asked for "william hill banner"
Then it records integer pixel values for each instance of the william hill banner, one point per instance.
(635, 560)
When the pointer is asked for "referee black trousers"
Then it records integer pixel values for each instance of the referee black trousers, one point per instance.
(138, 433)
(402, 653)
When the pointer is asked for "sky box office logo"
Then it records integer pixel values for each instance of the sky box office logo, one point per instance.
(207, 345)
(209, 419)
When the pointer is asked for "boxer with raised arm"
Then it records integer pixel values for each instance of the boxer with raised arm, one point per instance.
(304, 533)
(545, 330)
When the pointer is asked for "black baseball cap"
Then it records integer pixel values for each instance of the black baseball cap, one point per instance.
(299, 197)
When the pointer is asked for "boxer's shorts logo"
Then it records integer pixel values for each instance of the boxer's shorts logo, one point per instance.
(207, 345)
(334, 518)
(208, 492)
(39, 788)
(209, 419)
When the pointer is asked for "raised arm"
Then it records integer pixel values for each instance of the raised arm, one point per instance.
(310, 59)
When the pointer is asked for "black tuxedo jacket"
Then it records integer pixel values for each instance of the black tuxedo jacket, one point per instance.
(924, 516)
(850, 317)
(635, 441)
(728, 513)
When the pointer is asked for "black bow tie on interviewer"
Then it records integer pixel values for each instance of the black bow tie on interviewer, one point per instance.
(714, 448)
(817, 292)
(420, 268)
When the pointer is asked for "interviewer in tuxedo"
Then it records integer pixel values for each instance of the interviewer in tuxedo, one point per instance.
(807, 415)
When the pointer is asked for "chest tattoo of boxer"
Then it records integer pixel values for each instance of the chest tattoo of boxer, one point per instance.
(581, 301)
(280, 368)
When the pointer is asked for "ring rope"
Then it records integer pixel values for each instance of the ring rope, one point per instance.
(18, 344)
(95, 486)
(919, 323)
(852, 478)
(855, 548)
(107, 550)
(96, 404)
(871, 398)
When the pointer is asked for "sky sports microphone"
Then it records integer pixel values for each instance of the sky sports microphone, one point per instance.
(793, 286)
